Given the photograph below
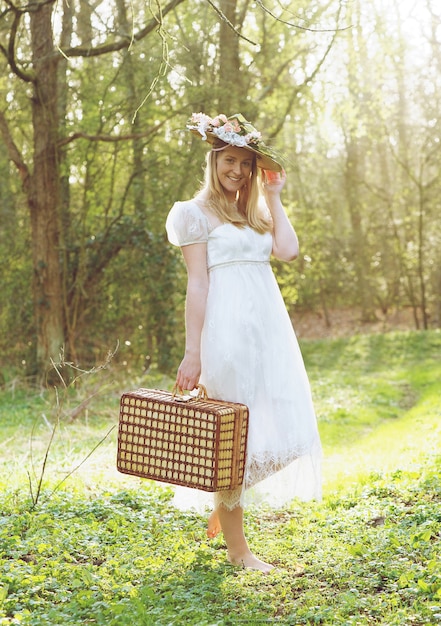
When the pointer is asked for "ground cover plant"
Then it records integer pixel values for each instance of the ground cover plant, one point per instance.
(100, 548)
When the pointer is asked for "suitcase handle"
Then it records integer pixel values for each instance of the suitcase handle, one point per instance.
(179, 395)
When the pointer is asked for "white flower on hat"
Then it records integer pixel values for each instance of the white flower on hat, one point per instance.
(201, 123)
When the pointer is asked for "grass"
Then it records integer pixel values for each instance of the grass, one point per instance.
(378, 401)
(104, 548)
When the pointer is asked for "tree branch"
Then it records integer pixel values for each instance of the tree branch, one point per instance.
(122, 43)
(227, 21)
(313, 30)
(307, 80)
(13, 152)
(109, 138)
(9, 53)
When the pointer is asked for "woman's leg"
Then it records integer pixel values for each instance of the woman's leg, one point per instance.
(213, 527)
(231, 523)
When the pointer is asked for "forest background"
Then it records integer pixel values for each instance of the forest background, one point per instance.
(94, 98)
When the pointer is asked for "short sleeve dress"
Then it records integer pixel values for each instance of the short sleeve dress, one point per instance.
(250, 354)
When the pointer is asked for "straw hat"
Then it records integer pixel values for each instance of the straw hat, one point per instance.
(234, 131)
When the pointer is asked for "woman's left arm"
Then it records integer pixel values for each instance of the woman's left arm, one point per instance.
(285, 241)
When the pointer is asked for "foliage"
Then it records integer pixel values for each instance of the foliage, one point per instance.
(126, 557)
(112, 550)
(362, 155)
(121, 106)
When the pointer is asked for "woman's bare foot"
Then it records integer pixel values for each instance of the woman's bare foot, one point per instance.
(214, 526)
(251, 562)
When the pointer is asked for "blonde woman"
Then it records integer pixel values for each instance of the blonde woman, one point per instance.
(240, 343)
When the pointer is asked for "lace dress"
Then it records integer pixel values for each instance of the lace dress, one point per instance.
(250, 354)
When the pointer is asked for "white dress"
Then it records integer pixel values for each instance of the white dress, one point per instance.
(250, 354)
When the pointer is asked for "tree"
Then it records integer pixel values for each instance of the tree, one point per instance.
(368, 162)
(41, 176)
(122, 96)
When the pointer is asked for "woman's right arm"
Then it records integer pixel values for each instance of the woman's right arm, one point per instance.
(195, 257)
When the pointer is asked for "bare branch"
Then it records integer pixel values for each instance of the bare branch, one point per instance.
(109, 138)
(417, 179)
(313, 30)
(9, 53)
(227, 21)
(122, 43)
(27, 8)
(307, 80)
(77, 467)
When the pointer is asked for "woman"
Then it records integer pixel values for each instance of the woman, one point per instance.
(240, 343)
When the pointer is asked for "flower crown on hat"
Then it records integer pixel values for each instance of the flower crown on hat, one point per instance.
(230, 130)
(234, 131)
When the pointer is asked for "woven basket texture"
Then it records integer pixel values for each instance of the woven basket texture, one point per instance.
(191, 441)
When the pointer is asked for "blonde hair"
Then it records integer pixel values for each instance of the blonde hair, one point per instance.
(249, 212)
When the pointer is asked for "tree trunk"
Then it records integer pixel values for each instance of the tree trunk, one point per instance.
(230, 88)
(360, 257)
(63, 155)
(421, 259)
(43, 192)
(356, 150)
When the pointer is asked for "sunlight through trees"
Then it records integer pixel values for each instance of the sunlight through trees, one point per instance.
(94, 100)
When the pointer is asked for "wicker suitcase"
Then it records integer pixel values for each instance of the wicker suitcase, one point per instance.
(184, 440)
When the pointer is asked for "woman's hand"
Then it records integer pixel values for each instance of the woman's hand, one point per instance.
(273, 182)
(189, 372)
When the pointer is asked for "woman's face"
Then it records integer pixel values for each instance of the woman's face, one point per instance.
(233, 167)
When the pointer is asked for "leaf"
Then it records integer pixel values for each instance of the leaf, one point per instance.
(404, 580)
(357, 550)
(4, 590)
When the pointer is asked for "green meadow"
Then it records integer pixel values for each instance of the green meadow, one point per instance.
(82, 544)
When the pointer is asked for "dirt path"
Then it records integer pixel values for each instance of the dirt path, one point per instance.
(347, 322)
